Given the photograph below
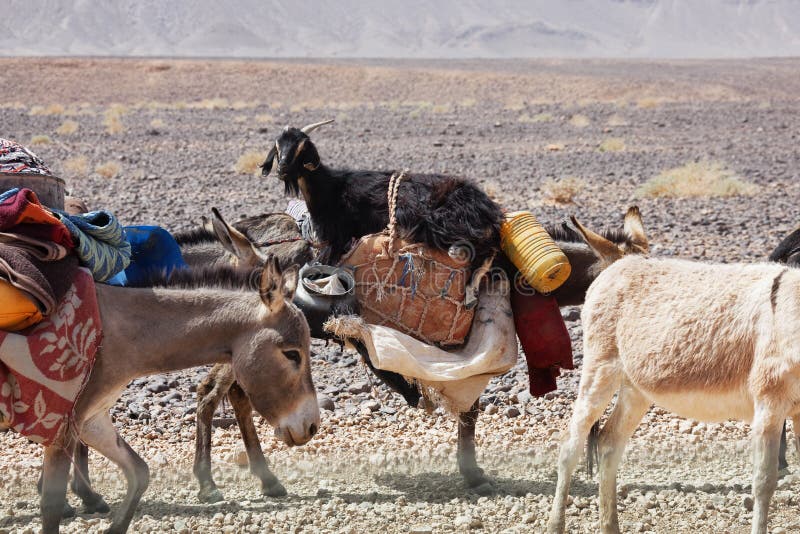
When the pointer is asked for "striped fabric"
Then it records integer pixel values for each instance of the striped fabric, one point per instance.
(100, 242)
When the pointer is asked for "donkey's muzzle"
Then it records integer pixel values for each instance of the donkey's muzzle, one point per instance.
(301, 425)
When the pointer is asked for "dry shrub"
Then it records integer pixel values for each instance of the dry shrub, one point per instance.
(468, 103)
(41, 140)
(264, 118)
(242, 104)
(211, 103)
(612, 144)
(440, 108)
(52, 109)
(109, 169)
(555, 147)
(579, 121)
(648, 103)
(539, 117)
(67, 127)
(249, 162)
(697, 179)
(113, 118)
(617, 120)
(239, 119)
(77, 166)
(157, 123)
(561, 191)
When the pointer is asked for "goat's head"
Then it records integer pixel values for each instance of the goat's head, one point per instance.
(608, 251)
(292, 155)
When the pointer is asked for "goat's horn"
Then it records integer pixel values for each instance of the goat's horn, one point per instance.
(311, 127)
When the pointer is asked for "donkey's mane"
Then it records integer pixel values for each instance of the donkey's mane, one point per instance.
(209, 277)
(195, 236)
(564, 233)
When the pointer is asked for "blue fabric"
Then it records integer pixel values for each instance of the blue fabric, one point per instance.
(154, 250)
(99, 242)
(9, 193)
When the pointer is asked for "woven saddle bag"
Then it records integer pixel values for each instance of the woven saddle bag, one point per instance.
(413, 288)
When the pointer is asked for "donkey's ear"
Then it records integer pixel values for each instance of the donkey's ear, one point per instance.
(602, 247)
(234, 241)
(266, 167)
(307, 155)
(289, 282)
(270, 285)
(634, 229)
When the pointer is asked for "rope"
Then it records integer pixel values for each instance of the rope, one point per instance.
(394, 189)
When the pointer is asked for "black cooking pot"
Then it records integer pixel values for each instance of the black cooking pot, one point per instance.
(318, 306)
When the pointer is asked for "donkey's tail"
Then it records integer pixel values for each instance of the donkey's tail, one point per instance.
(592, 448)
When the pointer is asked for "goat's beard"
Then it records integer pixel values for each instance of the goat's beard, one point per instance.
(291, 187)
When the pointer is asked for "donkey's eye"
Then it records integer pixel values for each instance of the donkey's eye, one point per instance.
(293, 355)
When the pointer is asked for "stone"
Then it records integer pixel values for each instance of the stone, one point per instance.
(490, 409)
(511, 412)
(326, 403)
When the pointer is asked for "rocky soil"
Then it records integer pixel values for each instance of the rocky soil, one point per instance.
(377, 465)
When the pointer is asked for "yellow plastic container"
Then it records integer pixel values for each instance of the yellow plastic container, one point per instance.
(528, 245)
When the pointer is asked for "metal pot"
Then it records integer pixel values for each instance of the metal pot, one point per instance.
(318, 306)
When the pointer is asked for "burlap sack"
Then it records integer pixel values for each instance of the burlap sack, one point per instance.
(412, 288)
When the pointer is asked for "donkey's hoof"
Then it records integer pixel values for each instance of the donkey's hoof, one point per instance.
(210, 496)
(99, 506)
(487, 488)
(274, 489)
(68, 511)
(475, 478)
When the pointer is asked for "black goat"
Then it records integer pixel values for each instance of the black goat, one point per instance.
(438, 210)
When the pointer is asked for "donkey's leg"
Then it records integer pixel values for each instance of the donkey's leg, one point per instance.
(766, 442)
(782, 463)
(270, 485)
(209, 394)
(100, 434)
(55, 473)
(93, 502)
(628, 411)
(796, 431)
(596, 389)
(467, 463)
(69, 511)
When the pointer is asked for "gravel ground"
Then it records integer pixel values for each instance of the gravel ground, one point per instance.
(377, 465)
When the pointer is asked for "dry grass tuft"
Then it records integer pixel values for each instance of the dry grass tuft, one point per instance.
(539, 117)
(41, 140)
(555, 147)
(612, 144)
(561, 191)
(617, 120)
(109, 169)
(77, 166)
(113, 118)
(648, 103)
(67, 127)
(697, 179)
(249, 162)
(157, 123)
(52, 109)
(264, 118)
(579, 121)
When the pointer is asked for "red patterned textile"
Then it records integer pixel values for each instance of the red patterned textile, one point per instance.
(43, 371)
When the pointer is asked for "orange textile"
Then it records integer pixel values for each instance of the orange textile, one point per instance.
(17, 310)
(21, 211)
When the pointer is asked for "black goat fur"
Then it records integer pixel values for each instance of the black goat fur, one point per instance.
(434, 209)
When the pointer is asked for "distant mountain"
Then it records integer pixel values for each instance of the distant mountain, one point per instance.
(402, 28)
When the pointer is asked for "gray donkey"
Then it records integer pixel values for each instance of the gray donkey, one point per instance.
(261, 335)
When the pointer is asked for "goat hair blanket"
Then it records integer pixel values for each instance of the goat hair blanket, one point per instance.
(100, 242)
(456, 377)
(43, 371)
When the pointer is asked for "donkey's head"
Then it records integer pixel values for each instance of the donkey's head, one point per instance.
(788, 250)
(272, 364)
(608, 251)
(293, 155)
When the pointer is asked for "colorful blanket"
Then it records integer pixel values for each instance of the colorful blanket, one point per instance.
(43, 372)
(15, 158)
(22, 213)
(101, 244)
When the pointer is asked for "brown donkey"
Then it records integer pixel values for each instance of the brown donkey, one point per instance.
(261, 335)
(705, 341)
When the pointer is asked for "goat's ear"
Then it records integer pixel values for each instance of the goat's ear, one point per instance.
(307, 155)
(266, 167)
(289, 282)
(602, 247)
(270, 285)
(234, 241)
(634, 229)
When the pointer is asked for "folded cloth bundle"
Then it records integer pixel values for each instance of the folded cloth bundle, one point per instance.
(17, 310)
(100, 242)
(15, 158)
(43, 250)
(45, 281)
(22, 213)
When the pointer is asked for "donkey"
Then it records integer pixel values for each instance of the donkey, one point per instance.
(706, 341)
(788, 252)
(262, 336)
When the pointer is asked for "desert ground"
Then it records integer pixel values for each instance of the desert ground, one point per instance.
(163, 141)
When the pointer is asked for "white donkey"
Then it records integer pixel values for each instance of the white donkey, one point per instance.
(707, 341)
